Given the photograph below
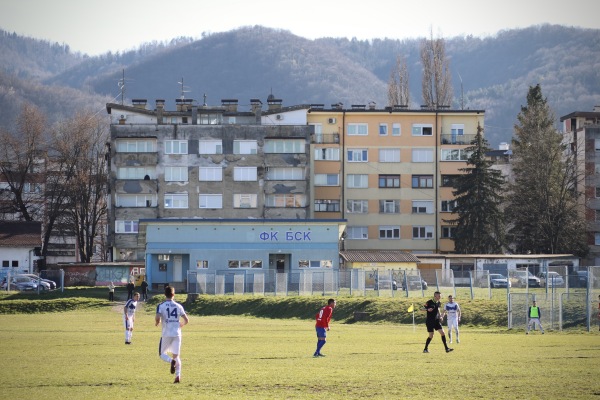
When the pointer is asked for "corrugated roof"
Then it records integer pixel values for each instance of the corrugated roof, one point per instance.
(378, 256)
(20, 234)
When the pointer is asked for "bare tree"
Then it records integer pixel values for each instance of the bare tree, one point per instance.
(436, 83)
(398, 89)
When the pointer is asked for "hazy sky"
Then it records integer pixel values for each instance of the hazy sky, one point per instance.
(95, 27)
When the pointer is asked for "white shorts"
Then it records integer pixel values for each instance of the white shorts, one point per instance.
(169, 344)
(452, 323)
(127, 323)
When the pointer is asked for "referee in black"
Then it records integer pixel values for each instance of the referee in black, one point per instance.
(434, 321)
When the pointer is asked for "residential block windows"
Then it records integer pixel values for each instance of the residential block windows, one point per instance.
(286, 200)
(177, 174)
(383, 129)
(389, 155)
(357, 232)
(448, 205)
(135, 200)
(358, 129)
(448, 180)
(285, 146)
(244, 174)
(422, 206)
(396, 129)
(245, 200)
(176, 147)
(327, 154)
(244, 264)
(357, 181)
(210, 147)
(422, 232)
(315, 263)
(389, 181)
(422, 155)
(357, 155)
(448, 232)
(389, 206)
(357, 206)
(389, 232)
(176, 200)
(422, 181)
(285, 173)
(327, 179)
(422, 130)
(214, 174)
(136, 145)
(136, 172)
(327, 205)
(244, 147)
(122, 226)
(210, 201)
(454, 155)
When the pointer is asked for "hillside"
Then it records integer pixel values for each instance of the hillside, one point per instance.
(252, 62)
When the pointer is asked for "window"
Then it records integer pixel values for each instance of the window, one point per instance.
(448, 205)
(597, 215)
(422, 206)
(457, 130)
(15, 263)
(389, 232)
(286, 200)
(422, 232)
(454, 155)
(358, 155)
(176, 200)
(244, 263)
(285, 174)
(210, 147)
(597, 238)
(210, 201)
(396, 131)
(448, 232)
(244, 147)
(448, 180)
(358, 129)
(422, 130)
(136, 172)
(422, 155)
(315, 263)
(357, 232)
(357, 206)
(422, 181)
(214, 174)
(164, 257)
(327, 179)
(389, 181)
(5, 263)
(389, 206)
(389, 155)
(122, 226)
(177, 174)
(357, 181)
(32, 188)
(597, 191)
(202, 264)
(176, 146)
(327, 205)
(136, 146)
(327, 154)
(136, 200)
(244, 201)
(285, 146)
(383, 129)
(244, 174)
(597, 144)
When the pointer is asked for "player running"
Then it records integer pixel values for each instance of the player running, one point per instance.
(452, 313)
(129, 316)
(322, 326)
(169, 313)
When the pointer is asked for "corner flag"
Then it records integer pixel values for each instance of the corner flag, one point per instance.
(411, 308)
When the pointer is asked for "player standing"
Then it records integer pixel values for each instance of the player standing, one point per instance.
(322, 325)
(169, 313)
(535, 314)
(129, 316)
(452, 314)
(434, 321)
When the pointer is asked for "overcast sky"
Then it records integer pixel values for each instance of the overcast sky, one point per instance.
(95, 27)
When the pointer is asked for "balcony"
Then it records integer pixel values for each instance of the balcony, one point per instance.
(448, 138)
(325, 138)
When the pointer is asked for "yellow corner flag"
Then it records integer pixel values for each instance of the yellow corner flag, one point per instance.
(411, 308)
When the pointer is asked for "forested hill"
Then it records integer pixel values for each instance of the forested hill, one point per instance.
(492, 73)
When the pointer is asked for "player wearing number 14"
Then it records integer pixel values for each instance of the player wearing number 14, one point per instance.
(173, 317)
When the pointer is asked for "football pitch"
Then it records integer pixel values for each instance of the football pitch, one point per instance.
(82, 355)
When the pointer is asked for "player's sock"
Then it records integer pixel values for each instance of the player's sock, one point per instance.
(178, 366)
(427, 343)
(449, 335)
(320, 345)
(444, 341)
(165, 358)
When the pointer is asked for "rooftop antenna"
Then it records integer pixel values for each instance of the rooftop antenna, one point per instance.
(183, 89)
(462, 96)
(204, 104)
(121, 84)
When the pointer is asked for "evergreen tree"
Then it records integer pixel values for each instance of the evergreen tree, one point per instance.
(478, 193)
(542, 207)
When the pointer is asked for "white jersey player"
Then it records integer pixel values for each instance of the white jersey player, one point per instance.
(452, 313)
(129, 316)
(169, 312)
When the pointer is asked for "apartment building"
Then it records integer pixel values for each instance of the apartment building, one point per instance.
(389, 173)
(582, 132)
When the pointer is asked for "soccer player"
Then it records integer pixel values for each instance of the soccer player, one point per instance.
(434, 321)
(535, 314)
(452, 314)
(129, 316)
(173, 318)
(322, 326)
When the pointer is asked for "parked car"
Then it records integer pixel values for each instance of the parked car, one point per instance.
(20, 283)
(496, 281)
(46, 283)
(414, 283)
(523, 278)
(551, 279)
(582, 279)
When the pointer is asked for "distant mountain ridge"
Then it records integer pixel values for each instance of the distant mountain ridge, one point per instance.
(493, 73)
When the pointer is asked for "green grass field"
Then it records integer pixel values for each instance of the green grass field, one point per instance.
(81, 354)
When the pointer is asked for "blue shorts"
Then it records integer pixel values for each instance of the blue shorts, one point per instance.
(321, 332)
